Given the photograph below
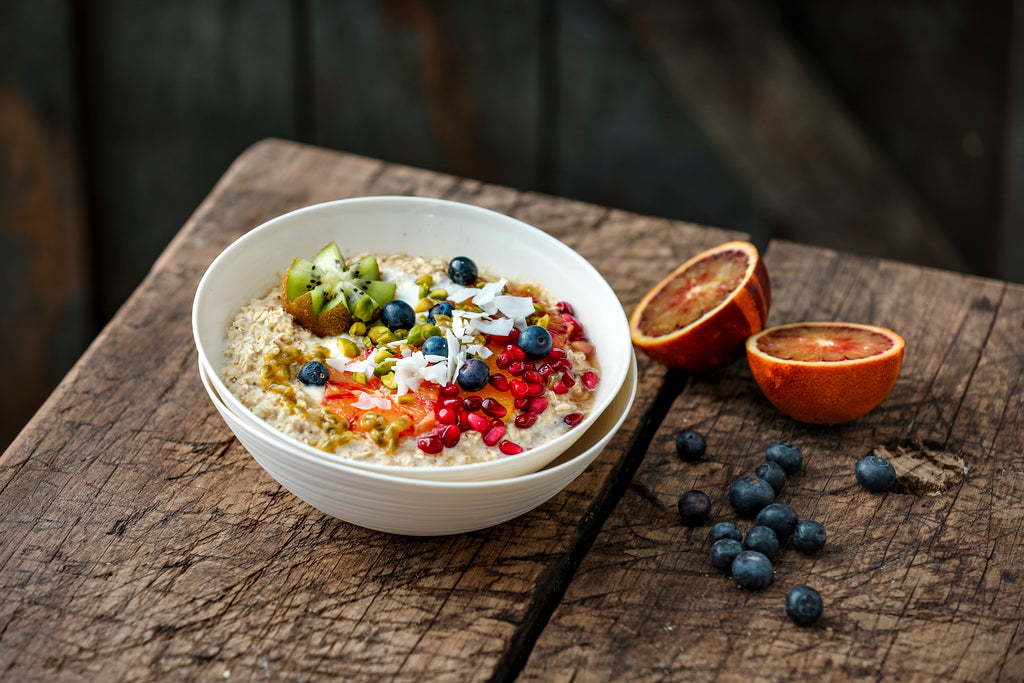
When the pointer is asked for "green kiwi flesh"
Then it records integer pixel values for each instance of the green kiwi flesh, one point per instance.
(331, 284)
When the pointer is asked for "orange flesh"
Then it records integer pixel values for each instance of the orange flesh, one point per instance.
(694, 292)
(814, 343)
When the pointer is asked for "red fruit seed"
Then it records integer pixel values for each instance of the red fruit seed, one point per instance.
(450, 436)
(449, 390)
(430, 444)
(472, 403)
(518, 388)
(590, 380)
(493, 408)
(499, 382)
(525, 420)
(494, 434)
(538, 405)
(573, 419)
(478, 422)
(509, 448)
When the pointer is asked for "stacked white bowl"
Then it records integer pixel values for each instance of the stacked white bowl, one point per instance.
(417, 500)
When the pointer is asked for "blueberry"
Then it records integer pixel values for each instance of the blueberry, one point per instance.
(786, 454)
(473, 375)
(763, 540)
(809, 536)
(723, 552)
(691, 445)
(803, 605)
(752, 569)
(462, 271)
(724, 530)
(435, 346)
(875, 474)
(778, 517)
(772, 473)
(443, 308)
(694, 508)
(535, 341)
(398, 315)
(313, 374)
(749, 494)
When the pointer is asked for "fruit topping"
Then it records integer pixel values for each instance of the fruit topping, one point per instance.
(535, 341)
(398, 315)
(444, 308)
(313, 374)
(462, 271)
(473, 375)
(435, 346)
(324, 296)
(763, 540)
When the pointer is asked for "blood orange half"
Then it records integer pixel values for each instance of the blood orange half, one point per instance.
(699, 316)
(825, 373)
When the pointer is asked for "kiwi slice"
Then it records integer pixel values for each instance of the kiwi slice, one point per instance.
(324, 296)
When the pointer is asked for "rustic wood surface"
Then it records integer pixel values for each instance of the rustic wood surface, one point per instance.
(916, 587)
(139, 541)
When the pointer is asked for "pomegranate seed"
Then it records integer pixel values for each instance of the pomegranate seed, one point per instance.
(535, 389)
(565, 307)
(545, 370)
(590, 380)
(559, 388)
(449, 390)
(533, 377)
(472, 403)
(576, 333)
(517, 368)
(493, 408)
(567, 379)
(518, 388)
(509, 448)
(521, 403)
(513, 336)
(525, 420)
(430, 444)
(557, 353)
(503, 360)
(488, 339)
(538, 405)
(515, 351)
(450, 436)
(499, 382)
(447, 416)
(494, 434)
(464, 421)
(573, 419)
(454, 404)
(478, 422)
(562, 365)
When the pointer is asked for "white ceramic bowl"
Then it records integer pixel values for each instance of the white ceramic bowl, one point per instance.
(421, 507)
(418, 226)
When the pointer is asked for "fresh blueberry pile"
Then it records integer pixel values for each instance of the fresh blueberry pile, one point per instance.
(748, 557)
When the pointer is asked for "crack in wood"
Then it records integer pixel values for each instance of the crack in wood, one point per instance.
(923, 467)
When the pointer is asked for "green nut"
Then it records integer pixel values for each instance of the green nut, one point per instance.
(438, 294)
(389, 381)
(424, 280)
(423, 305)
(359, 377)
(380, 335)
(383, 353)
(384, 368)
(357, 329)
(424, 290)
(348, 347)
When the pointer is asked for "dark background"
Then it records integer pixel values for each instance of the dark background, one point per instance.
(883, 128)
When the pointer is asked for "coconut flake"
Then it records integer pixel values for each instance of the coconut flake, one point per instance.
(499, 327)
(368, 401)
(514, 306)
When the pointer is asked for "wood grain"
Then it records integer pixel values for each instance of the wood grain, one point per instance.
(139, 541)
(915, 587)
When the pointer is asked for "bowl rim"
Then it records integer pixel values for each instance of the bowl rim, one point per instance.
(451, 472)
(339, 465)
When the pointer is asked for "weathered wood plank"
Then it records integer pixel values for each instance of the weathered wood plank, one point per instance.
(138, 540)
(813, 171)
(46, 318)
(175, 92)
(449, 86)
(915, 587)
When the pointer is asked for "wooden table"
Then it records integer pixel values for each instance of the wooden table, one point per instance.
(140, 541)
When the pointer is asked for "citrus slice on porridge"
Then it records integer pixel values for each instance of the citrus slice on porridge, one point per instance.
(825, 372)
(699, 316)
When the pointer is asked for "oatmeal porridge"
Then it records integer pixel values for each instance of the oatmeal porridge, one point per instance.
(426, 362)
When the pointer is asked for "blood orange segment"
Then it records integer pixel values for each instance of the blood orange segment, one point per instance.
(699, 316)
(825, 373)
